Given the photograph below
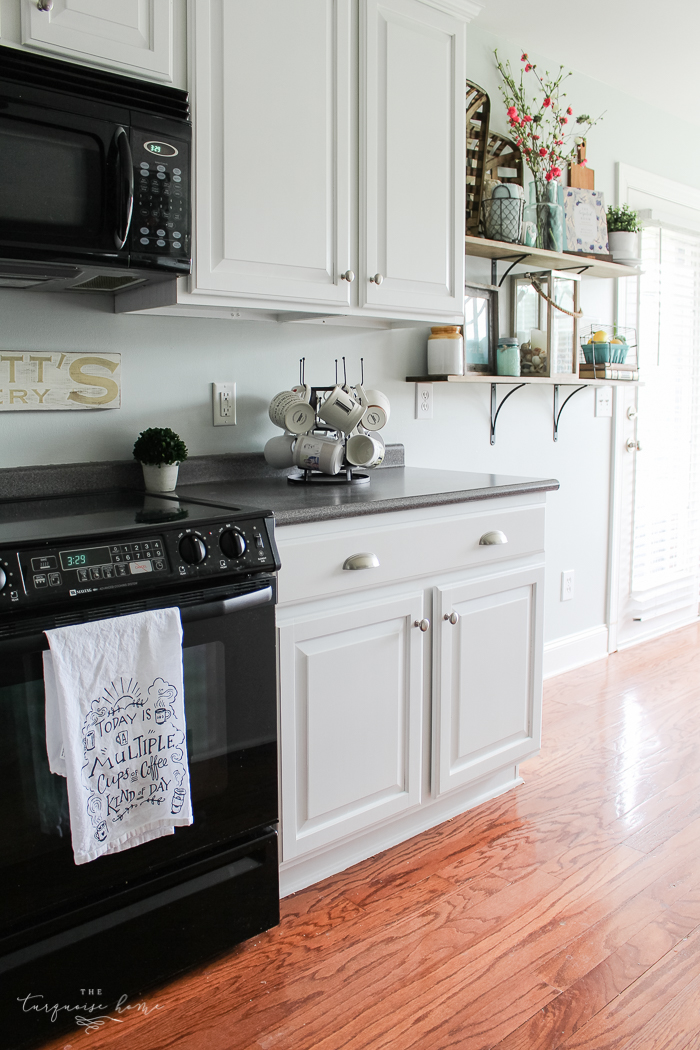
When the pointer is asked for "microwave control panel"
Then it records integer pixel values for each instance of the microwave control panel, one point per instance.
(160, 225)
(76, 569)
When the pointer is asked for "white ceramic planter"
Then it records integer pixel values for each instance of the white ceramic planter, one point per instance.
(160, 477)
(623, 245)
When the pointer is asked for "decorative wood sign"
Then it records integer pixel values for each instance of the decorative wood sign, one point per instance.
(42, 381)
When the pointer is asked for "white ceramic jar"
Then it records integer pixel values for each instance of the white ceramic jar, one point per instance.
(445, 351)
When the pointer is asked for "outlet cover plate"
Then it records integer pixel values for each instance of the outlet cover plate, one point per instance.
(424, 400)
(223, 404)
(603, 401)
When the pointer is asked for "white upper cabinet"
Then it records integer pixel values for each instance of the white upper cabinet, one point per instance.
(412, 148)
(272, 96)
(128, 36)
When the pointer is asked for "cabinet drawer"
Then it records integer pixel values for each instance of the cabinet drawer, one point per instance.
(312, 565)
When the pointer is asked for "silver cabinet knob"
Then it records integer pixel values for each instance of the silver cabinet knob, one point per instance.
(453, 617)
(361, 561)
(377, 279)
(348, 276)
(44, 5)
(423, 624)
(633, 446)
(490, 538)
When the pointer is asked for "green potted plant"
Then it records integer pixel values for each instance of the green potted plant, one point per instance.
(160, 451)
(623, 234)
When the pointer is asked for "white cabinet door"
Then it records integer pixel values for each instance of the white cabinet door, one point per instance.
(132, 36)
(351, 697)
(488, 676)
(272, 127)
(412, 143)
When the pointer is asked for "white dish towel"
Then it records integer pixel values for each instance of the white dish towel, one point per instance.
(115, 728)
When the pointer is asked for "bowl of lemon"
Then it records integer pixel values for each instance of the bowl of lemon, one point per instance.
(600, 349)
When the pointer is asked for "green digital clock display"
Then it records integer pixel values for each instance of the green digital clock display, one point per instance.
(90, 556)
(160, 149)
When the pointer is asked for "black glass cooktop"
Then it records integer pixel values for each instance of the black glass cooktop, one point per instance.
(54, 517)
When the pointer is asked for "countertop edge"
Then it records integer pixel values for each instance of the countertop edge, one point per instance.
(306, 515)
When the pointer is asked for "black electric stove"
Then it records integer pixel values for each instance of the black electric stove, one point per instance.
(129, 921)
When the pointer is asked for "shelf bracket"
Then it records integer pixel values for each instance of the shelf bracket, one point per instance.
(556, 415)
(496, 408)
(494, 268)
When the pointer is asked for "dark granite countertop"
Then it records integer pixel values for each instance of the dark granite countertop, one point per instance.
(393, 488)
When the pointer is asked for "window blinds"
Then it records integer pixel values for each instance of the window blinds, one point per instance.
(665, 549)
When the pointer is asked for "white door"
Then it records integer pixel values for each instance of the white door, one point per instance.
(132, 36)
(412, 148)
(656, 577)
(350, 695)
(488, 676)
(272, 143)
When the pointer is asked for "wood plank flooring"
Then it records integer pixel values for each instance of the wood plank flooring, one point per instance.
(564, 914)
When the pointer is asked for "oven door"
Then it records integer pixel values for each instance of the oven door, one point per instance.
(230, 708)
(66, 186)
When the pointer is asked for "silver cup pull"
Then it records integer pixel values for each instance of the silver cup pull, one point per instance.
(489, 538)
(361, 561)
(348, 276)
(453, 617)
(377, 279)
(423, 624)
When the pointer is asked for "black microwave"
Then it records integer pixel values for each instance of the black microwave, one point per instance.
(94, 177)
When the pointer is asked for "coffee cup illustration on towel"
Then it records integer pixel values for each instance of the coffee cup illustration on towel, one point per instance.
(164, 695)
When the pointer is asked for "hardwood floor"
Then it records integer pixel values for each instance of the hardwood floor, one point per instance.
(564, 914)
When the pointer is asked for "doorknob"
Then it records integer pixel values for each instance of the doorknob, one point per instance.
(423, 624)
(631, 412)
(348, 276)
(377, 279)
(44, 5)
(633, 446)
(453, 617)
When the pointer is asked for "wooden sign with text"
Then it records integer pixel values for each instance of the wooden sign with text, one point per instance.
(43, 381)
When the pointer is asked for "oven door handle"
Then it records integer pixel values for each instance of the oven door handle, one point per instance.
(229, 605)
(32, 643)
(125, 186)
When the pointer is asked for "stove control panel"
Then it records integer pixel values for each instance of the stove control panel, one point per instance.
(143, 560)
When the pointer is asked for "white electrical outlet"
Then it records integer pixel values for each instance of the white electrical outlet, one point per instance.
(603, 401)
(424, 400)
(567, 585)
(223, 404)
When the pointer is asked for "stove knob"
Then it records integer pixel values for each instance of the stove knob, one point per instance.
(192, 550)
(232, 544)
(3, 579)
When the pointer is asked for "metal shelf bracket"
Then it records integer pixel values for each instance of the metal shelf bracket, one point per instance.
(506, 258)
(557, 410)
(496, 408)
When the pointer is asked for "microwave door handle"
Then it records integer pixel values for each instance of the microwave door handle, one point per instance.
(125, 187)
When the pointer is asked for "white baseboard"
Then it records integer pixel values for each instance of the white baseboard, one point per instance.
(575, 650)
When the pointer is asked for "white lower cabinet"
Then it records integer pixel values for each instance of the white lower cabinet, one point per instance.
(488, 676)
(351, 720)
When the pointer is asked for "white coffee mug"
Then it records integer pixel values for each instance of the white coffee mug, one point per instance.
(365, 450)
(341, 411)
(377, 412)
(290, 412)
(303, 391)
(317, 453)
(279, 451)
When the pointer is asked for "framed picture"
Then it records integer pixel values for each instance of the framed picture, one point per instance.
(585, 221)
(480, 328)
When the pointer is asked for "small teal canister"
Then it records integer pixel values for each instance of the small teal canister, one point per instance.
(508, 357)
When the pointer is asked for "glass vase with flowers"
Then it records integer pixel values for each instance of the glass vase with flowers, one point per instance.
(539, 115)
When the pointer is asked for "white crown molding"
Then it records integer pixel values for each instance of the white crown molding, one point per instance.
(467, 10)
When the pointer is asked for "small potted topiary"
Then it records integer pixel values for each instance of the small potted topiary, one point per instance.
(623, 234)
(160, 452)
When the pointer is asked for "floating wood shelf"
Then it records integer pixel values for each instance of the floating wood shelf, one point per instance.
(517, 382)
(539, 259)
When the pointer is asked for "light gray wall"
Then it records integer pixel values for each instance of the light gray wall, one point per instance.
(169, 363)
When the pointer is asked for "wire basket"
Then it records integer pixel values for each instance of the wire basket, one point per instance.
(619, 349)
(503, 218)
